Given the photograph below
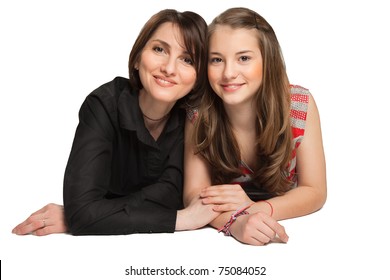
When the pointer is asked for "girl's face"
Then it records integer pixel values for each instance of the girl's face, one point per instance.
(165, 68)
(235, 67)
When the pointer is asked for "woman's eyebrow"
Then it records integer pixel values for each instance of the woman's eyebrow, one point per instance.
(165, 44)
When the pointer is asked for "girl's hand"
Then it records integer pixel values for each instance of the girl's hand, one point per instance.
(195, 215)
(258, 229)
(225, 197)
(47, 220)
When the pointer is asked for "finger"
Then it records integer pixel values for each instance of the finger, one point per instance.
(210, 193)
(268, 232)
(277, 228)
(283, 235)
(25, 222)
(29, 227)
(216, 200)
(256, 238)
(25, 225)
(223, 186)
(218, 189)
(230, 200)
(49, 230)
(15, 229)
(42, 231)
(222, 196)
(225, 207)
(225, 203)
(261, 238)
(253, 241)
(260, 230)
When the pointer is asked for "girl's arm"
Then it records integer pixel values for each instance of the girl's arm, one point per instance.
(310, 194)
(307, 197)
(196, 214)
(196, 170)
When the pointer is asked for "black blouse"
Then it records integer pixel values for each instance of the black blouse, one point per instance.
(118, 179)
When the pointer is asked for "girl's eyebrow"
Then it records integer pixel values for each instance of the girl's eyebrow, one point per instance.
(245, 51)
(240, 52)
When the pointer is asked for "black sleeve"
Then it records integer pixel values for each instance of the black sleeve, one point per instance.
(86, 181)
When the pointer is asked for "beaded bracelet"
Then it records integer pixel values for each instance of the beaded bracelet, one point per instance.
(239, 212)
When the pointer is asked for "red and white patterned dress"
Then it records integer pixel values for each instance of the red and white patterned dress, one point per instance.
(299, 104)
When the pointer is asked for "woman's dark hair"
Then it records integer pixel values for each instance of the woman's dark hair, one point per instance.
(194, 31)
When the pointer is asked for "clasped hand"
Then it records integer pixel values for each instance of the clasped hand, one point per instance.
(225, 197)
(257, 228)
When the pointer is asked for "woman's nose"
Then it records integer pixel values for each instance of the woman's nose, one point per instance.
(168, 67)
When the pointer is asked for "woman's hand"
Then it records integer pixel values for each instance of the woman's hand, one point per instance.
(258, 229)
(47, 220)
(225, 197)
(195, 215)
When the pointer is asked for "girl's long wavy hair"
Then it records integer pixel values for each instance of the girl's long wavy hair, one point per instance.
(214, 138)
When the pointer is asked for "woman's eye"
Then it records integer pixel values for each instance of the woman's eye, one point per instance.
(158, 49)
(188, 60)
(215, 60)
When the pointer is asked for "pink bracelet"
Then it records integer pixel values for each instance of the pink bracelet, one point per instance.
(270, 205)
(226, 228)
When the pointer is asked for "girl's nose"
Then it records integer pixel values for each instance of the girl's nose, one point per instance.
(230, 71)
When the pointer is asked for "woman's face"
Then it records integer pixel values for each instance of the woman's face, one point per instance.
(235, 67)
(166, 70)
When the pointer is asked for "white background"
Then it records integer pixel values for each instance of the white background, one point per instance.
(54, 53)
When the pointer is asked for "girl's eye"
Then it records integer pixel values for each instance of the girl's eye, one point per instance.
(244, 58)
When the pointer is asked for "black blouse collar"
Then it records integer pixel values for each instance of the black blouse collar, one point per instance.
(130, 115)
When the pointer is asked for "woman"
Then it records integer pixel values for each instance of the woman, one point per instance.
(258, 143)
(125, 170)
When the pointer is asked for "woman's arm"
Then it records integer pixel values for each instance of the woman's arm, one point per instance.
(89, 208)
